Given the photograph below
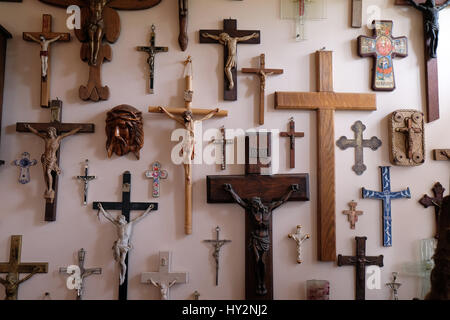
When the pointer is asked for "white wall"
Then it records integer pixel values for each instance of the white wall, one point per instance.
(77, 226)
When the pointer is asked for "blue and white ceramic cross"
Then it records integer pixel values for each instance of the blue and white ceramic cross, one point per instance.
(386, 195)
(156, 174)
(25, 163)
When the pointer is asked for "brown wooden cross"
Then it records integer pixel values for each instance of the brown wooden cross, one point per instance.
(49, 37)
(14, 268)
(325, 102)
(291, 134)
(4, 36)
(352, 214)
(262, 72)
(436, 202)
(408, 130)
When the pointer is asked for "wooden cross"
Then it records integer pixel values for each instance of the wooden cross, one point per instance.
(48, 38)
(386, 195)
(24, 163)
(383, 47)
(164, 279)
(156, 174)
(359, 144)
(325, 102)
(86, 179)
(269, 191)
(230, 43)
(413, 145)
(291, 134)
(4, 36)
(360, 261)
(217, 243)
(356, 13)
(61, 128)
(262, 73)
(126, 206)
(441, 154)
(436, 202)
(352, 214)
(14, 267)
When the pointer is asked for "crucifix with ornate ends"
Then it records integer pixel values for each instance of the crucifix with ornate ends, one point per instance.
(230, 37)
(352, 214)
(164, 279)
(436, 202)
(184, 116)
(325, 102)
(15, 267)
(45, 39)
(259, 195)
(360, 261)
(218, 244)
(262, 73)
(53, 133)
(291, 134)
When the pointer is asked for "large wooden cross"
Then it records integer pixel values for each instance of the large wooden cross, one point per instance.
(325, 102)
(61, 128)
(436, 202)
(4, 36)
(271, 191)
(291, 134)
(48, 38)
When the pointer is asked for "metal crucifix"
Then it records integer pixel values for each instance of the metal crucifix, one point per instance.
(223, 142)
(217, 243)
(86, 179)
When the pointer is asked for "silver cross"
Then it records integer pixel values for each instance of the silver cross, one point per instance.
(86, 178)
(217, 246)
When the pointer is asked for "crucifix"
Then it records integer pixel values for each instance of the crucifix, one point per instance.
(14, 267)
(383, 47)
(218, 244)
(77, 274)
(356, 13)
(4, 36)
(386, 195)
(86, 179)
(222, 143)
(184, 116)
(430, 10)
(360, 261)
(325, 102)
(52, 133)
(359, 144)
(183, 11)
(230, 37)
(352, 214)
(156, 174)
(45, 38)
(99, 20)
(262, 73)
(124, 225)
(394, 285)
(152, 50)
(299, 239)
(164, 279)
(291, 134)
(259, 194)
(436, 202)
(24, 164)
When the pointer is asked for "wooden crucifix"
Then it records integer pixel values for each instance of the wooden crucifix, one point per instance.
(360, 261)
(383, 47)
(45, 38)
(356, 13)
(262, 73)
(259, 195)
(185, 118)
(218, 244)
(230, 37)
(436, 202)
(352, 214)
(52, 133)
(124, 225)
(325, 102)
(99, 20)
(4, 36)
(291, 134)
(15, 267)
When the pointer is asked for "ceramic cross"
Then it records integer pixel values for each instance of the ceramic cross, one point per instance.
(299, 239)
(394, 285)
(436, 202)
(360, 261)
(291, 134)
(356, 13)
(156, 174)
(217, 243)
(222, 143)
(352, 214)
(383, 48)
(386, 195)
(24, 164)
(86, 179)
(164, 279)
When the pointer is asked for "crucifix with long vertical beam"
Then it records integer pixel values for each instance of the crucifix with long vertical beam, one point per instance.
(325, 102)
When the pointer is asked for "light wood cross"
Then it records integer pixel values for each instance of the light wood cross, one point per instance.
(325, 102)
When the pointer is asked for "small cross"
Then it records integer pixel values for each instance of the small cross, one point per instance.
(25, 163)
(291, 134)
(394, 285)
(352, 214)
(86, 179)
(441, 154)
(408, 130)
(223, 142)
(217, 243)
(299, 239)
(359, 144)
(156, 174)
(436, 202)
(196, 295)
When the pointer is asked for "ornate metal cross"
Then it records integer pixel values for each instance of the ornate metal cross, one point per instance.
(299, 239)
(217, 243)
(86, 179)
(352, 214)
(156, 174)
(394, 285)
(24, 164)
(436, 202)
(291, 134)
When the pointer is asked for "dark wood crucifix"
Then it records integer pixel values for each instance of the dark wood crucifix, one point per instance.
(325, 102)
(45, 38)
(124, 227)
(259, 195)
(230, 37)
(436, 202)
(52, 133)
(291, 134)
(4, 36)
(99, 20)
(360, 261)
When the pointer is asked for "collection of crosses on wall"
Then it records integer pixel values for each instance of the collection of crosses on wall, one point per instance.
(257, 193)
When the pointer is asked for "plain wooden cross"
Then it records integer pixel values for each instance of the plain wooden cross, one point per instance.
(156, 174)
(262, 73)
(4, 36)
(386, 195)
(436, 202)
(360, 261)
(291, 134)
(352, 214)
(126, 206)
(48, 34)
(217, 243)
(356, 13)
(268, 188)
(56, 116)
(383, 47)
(325, 102)
(230, 28)
(14, 267)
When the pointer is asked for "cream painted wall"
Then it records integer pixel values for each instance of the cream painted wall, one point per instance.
(77, 226)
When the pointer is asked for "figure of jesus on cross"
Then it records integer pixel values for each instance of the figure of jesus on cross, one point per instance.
(44, 43)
